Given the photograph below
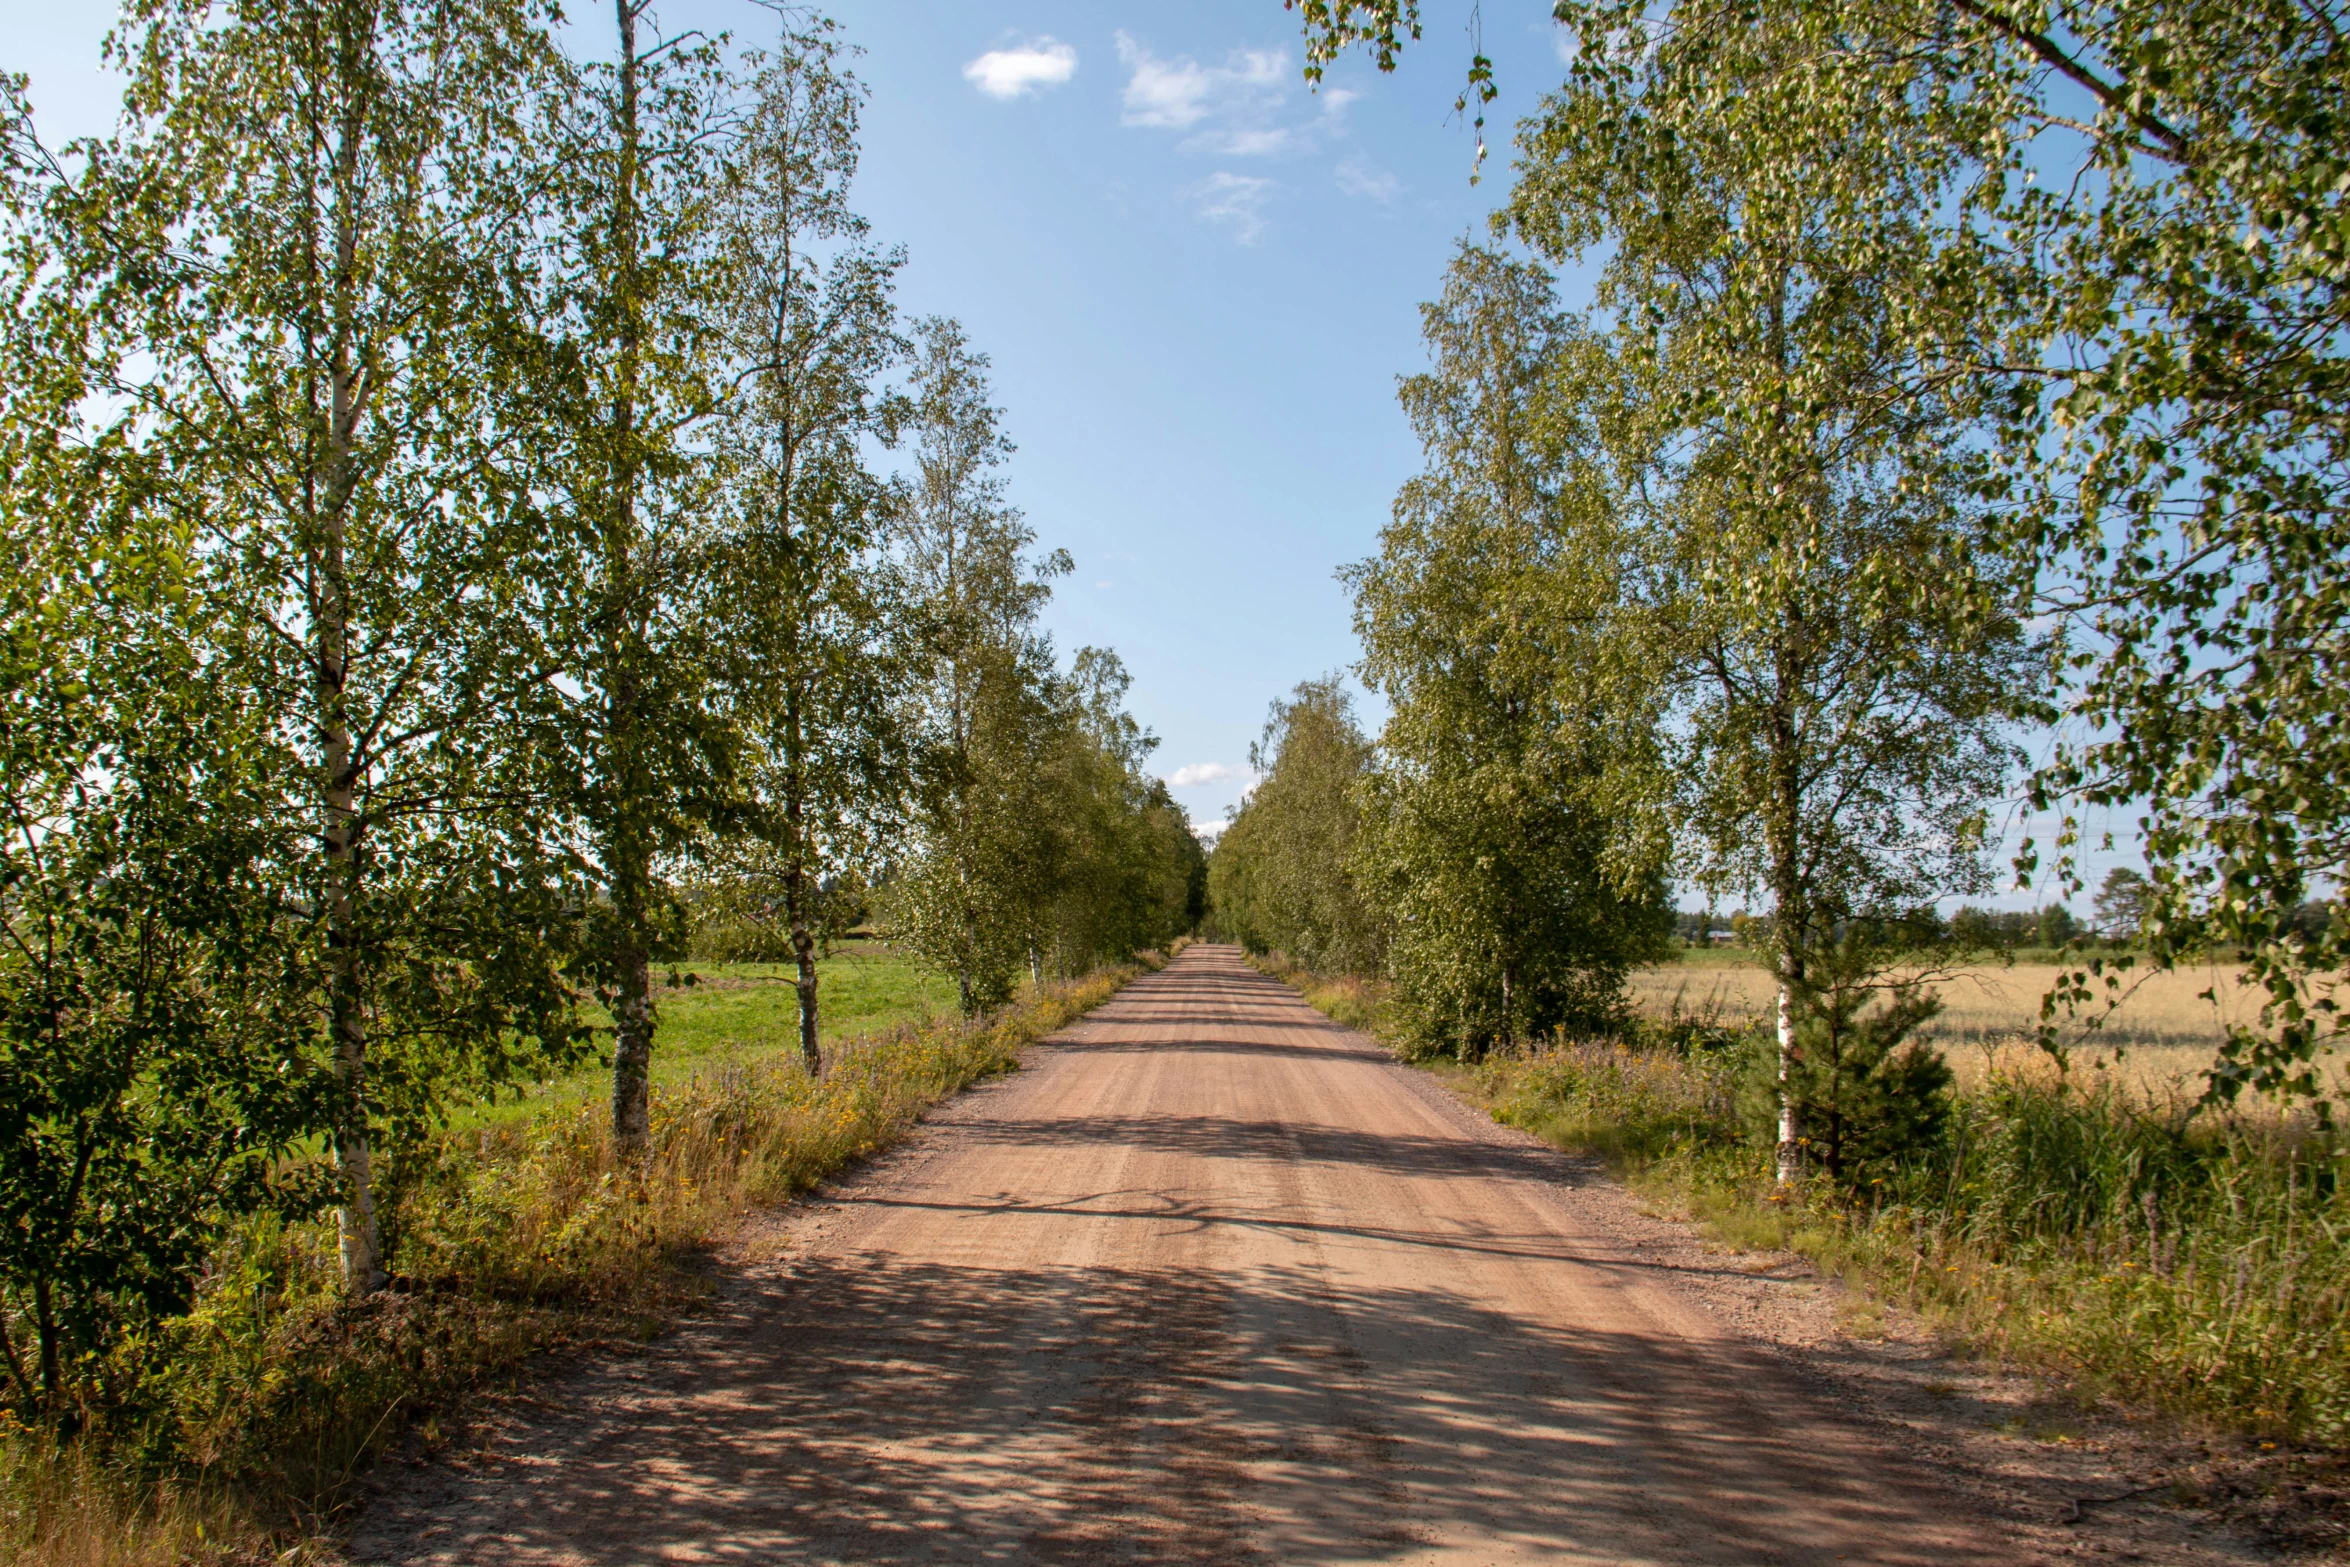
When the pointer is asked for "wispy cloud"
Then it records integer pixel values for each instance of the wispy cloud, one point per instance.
(1208, 832)
(1240, 109)
(1179, 93)
(1238, 200)
(1194, 775)
(1020, 71)
(1357, 178)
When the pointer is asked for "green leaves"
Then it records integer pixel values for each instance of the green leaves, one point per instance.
(1284, 874)
(1039, 838)
(1511, 837)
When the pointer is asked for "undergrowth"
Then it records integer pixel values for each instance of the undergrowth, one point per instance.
(2198, 1264)
(1349, 1000)
(228, 1434)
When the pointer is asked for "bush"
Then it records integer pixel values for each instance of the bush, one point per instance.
(1866, 1094)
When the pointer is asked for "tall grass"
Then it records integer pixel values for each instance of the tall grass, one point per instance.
(2080, 1226)
(1350, 1000)
(227, 1434)
(2199, 1265)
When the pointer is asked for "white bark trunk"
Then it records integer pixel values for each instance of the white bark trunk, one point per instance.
(1790, 1148)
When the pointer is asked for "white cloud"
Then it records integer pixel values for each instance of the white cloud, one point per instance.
(1262, 142)
(1018, 72)
(1208, 832)
(1193, 775)
(1177, 94)
(1237, 199)
(1357, 178)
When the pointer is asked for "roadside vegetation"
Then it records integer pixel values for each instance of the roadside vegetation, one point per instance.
(2091, 1227)
(496, 595)
(253, 1410)
(2078, 1227)
(1952, 431)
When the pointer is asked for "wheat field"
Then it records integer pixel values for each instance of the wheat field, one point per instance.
(2159, 1037)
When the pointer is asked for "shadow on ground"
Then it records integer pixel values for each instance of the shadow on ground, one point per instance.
(889, 1412)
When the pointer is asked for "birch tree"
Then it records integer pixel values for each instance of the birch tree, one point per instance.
(1511, 825)
(1125, 854)
(812, 663)
(300, 242)
(982, 710)
(1811, 564)
(1283, 875)
(629, 298)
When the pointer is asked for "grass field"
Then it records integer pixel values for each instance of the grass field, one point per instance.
(2165, 1029)
(739, 1014)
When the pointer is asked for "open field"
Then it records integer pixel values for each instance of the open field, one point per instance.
(2165, 1028)
(738, 1014)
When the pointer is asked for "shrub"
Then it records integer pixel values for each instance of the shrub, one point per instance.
(1866, 1094)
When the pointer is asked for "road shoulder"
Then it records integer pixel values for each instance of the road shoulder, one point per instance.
(2070, 1482)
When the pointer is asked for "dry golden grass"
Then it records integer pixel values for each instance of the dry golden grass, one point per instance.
(2158, 1039)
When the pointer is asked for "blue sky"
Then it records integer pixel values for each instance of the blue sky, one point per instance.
(1197, 279)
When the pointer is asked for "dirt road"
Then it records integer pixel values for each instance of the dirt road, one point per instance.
(1215, 1282)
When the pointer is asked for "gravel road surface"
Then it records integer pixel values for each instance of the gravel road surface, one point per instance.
(1211, 1281)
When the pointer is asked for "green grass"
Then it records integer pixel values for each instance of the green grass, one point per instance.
(741, 1014)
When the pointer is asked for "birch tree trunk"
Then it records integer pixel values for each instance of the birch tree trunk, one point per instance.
(341, 767)
(626, 853)
(803, 946)
(1791, 912)
(800, 891)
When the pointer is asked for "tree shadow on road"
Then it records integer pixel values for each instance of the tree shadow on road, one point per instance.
(874, 1411)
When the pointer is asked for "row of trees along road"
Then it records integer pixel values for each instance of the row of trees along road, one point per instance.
(1954, 374)
(453, 544)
